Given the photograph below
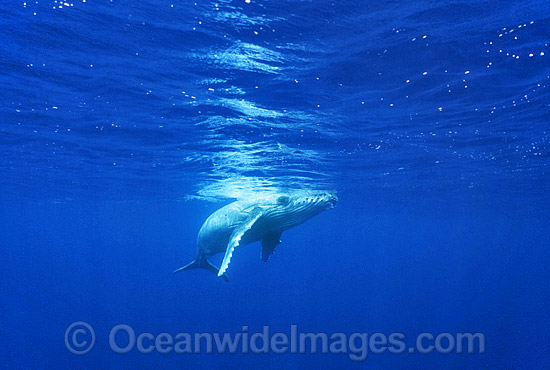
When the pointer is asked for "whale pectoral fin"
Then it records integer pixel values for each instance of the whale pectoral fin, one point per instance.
(269, 243)
(235, 238)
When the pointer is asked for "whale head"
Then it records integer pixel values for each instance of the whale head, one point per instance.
(307, 200)
(295, 208)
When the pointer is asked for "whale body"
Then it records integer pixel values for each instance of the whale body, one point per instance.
(259, 218)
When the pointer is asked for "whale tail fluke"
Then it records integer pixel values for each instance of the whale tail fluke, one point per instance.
(202, 263)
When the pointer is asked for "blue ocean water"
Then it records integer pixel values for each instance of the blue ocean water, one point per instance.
(125, 124)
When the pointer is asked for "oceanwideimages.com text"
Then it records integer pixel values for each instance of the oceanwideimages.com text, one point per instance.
(80, 338)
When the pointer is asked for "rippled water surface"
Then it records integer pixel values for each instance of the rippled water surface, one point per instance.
(214, 99)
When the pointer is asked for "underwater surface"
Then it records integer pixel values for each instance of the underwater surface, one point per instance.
(125, 124)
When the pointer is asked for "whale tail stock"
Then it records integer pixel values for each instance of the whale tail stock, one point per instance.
(202, 263)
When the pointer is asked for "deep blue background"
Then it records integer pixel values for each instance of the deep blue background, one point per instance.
(125, 124)
(381, 266)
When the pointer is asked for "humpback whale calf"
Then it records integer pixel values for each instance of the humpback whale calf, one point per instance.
(260, 218)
